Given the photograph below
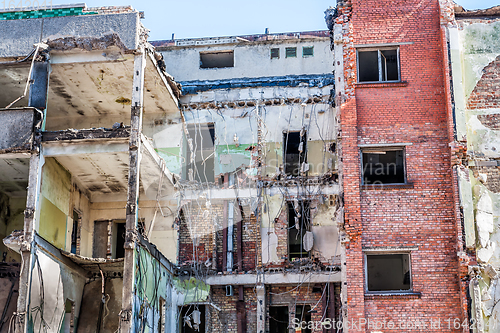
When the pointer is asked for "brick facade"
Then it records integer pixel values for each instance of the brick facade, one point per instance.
(421, 213)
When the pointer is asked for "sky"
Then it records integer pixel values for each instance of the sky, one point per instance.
(208, 18)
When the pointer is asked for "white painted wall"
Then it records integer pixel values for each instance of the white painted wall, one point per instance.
(251, 59)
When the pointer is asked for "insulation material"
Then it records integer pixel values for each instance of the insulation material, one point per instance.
(484, 215)
(269, 246)
(47, 305)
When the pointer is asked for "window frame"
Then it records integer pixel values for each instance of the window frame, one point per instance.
(378, 49)
(290, 48)
(308, 55)
(271, 52)
(367, 149)
(407, 252)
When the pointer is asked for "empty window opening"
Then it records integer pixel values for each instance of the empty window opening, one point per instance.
(161, 319)
(275, 53)
(192, 319)
(278, 319)
(378, 65)
(291, 52)
(118, 239)
(69, 317)
(303, 315)
(220, 59)
(382, 166)
(200, 153)
(75, 232)
(298, 224)
(388, 272)
(294, 146)
(307, 51)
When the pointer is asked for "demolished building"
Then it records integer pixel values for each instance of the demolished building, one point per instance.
(338, 180)
(82, 94)
(259, 194)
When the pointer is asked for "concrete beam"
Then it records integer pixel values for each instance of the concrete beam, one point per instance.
(231, 194)
(58, 148)
(272, 278)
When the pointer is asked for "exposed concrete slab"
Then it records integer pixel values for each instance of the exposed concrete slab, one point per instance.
(273, 278)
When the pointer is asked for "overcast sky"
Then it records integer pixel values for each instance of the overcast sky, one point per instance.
(205, 18)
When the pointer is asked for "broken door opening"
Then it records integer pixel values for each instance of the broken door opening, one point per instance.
(303, 317)
(278, 319)
(118, 239)
(299, 224)
(294, 146)
(200, 147)
(75, 233)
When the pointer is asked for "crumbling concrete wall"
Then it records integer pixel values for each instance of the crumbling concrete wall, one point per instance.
(16, 127)
(474, 51)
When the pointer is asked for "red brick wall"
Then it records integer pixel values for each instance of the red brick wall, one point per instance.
(486, 94)
(421, 215)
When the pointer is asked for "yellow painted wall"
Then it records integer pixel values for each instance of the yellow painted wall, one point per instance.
(54, 203)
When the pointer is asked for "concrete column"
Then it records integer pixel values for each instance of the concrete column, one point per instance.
(261, 308)
(476, 311)
(127, 316)
(37, 98)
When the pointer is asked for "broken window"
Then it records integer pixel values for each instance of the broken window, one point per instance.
(383, 166)
(275, 53)
(307, 51)
(74, 232)
(303, 314)
(378, 65)
(192, 319)
(278, 319)
(388, 272)
(200, 153)
(220, 59)
(294, 146)
(299, 224)
(291, 52)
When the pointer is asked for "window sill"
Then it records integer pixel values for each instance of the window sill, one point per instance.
(398, 295)
(380, 187)
(382, 84)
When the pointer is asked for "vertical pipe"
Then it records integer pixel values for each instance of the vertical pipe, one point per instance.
(230, 233)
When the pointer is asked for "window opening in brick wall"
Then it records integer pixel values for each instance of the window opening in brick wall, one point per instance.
(278, 319)
(275, 53)
(291, 52)
(307, 51)
(220, 59)
(192, 319)
(378, 65)
(75, 232)
(299, 224)
(383, 166)
(388, 272)
(200, 145)
(303, 316)
(294, 147)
